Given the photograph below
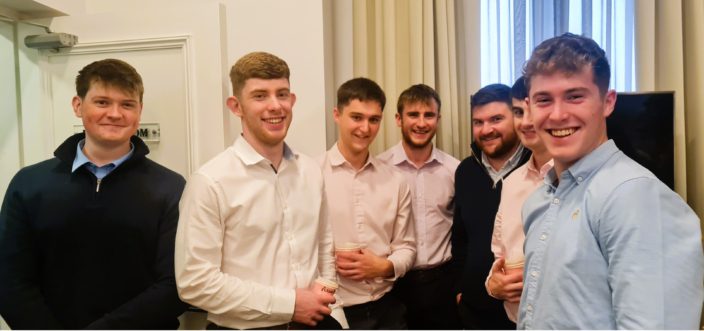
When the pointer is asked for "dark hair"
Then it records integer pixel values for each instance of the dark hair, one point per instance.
(362, 89)
(257, 65)
(569, 53)
(519, 90)
(417, 93)
(491, 93)
(111, 73)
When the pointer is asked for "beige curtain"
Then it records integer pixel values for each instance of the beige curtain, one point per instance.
(670, 56)
(401, 43)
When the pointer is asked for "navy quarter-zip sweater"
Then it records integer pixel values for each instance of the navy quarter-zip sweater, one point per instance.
(476, 203)
(74, 256)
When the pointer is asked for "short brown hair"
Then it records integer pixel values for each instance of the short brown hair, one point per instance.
(362, 89)
(417, 93)
(111, 73)
(257, 65)
(569, 53)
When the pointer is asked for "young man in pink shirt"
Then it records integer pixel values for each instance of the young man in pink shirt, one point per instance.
(505, 281)
(370, 209)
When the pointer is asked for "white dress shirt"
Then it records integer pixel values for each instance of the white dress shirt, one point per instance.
(433, 190)
(371, 206)
(248, 236)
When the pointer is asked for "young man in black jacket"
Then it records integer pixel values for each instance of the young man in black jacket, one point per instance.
(496, 152)
(87, 237)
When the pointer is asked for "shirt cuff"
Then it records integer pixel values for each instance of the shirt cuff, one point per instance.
(283, 304)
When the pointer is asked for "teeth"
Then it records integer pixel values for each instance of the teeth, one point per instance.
(274, 120)
(562, 132)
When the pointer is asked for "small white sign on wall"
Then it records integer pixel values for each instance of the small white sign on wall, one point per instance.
(149, 132)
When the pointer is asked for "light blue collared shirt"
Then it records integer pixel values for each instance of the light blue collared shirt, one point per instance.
(610, 247)
(99, 172)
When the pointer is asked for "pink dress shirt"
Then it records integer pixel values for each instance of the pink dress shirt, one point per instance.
(507, 239)
(433, 190)
(370, 206)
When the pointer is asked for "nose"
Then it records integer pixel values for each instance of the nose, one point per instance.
(486, 129)
(114, 111)
(422, 122)
(274, 104)
(364, 126)
(558, 112)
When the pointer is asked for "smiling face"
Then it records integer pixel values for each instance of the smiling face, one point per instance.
(569, 114)
(264, 105)
(492, 129)
(418, 123)
(358, 123)
(110, 115)
(523, 124)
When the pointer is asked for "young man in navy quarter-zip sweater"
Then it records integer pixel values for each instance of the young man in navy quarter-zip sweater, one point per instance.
(496, 152)
(87, 237)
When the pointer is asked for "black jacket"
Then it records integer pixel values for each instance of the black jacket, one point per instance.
(476, 204)
(73, 256)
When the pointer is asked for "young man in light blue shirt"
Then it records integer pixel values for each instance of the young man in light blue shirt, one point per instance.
(608, 245)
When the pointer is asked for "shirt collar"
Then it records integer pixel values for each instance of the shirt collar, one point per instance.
(587, 165)
(398, 155)
(507, 165)
(250, 156)
(337, 159)
(82, 159)
(543, 170)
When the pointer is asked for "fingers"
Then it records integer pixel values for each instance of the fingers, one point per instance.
(498, 265)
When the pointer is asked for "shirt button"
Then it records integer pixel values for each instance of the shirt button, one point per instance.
(579, 179)
(529, 308)
(556, 201)
(543, 237)
(534, 274)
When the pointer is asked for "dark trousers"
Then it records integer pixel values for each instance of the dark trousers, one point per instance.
(429, 299)
(328, 323)
(386, 313)
(475, 319)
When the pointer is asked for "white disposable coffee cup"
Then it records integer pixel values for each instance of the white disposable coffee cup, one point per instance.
(348, 247)
(514, 267)
(327, 285)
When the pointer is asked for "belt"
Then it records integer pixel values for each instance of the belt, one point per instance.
(285, 326)
(424, 275)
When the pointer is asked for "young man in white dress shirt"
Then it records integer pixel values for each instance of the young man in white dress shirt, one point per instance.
(253, 235)
(426, 290)
(370, 206)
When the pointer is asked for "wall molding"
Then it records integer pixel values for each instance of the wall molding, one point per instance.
(180, 42)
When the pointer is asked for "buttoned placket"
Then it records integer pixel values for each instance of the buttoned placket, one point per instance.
(420, 215)
(358, 193)
(536, 263)
(287, 221)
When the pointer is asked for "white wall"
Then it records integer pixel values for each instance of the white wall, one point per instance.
(9, 116)
(294, 31)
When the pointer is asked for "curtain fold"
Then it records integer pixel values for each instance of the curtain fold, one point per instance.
(401, 43)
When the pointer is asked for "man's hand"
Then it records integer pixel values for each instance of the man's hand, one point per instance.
(311, 305)
(363, 264)
(459, 298)
(502, 286)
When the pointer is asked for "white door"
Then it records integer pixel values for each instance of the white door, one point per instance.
(165, 114)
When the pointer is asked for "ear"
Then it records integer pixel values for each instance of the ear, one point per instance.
(336, 113)
(234, 105)
(76, 103)
(398, 119)
(293, 99)
(609, 102)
